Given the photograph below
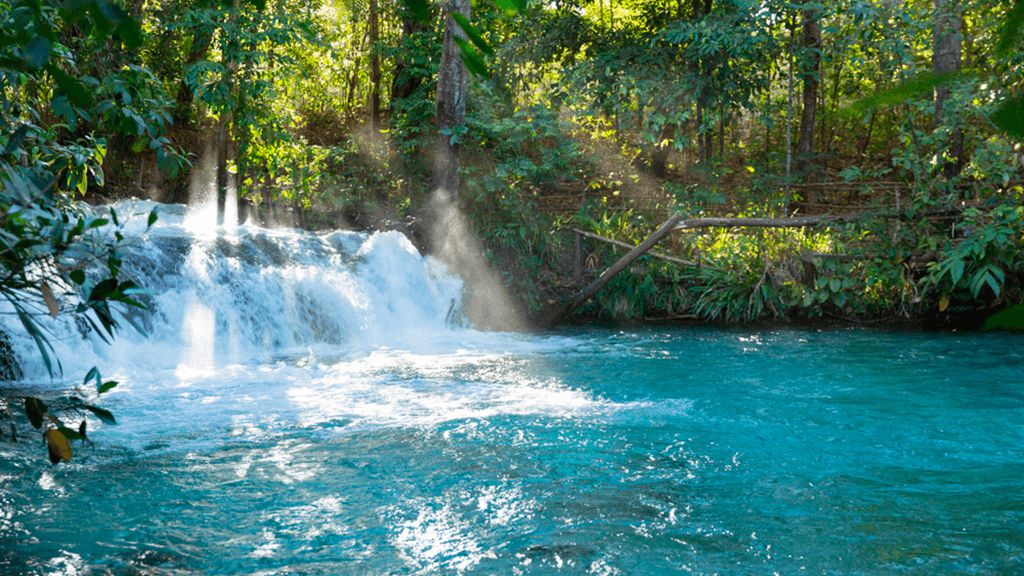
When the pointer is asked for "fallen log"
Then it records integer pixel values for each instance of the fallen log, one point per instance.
(797, 222)
(664, 230)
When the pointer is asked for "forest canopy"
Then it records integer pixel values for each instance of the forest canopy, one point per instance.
(903, 117)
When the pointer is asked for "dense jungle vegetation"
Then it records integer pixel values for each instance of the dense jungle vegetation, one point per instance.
(897, 121)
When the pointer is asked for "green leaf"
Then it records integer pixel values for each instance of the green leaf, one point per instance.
(917, 86)
(37, 52)
(73, 89)
(104, 415)
(102, 290)
(130, 32)
(471, 31)
(419, 8)
(1011, 318)
(94, 373)
(152, 218)
(474, 63)
(69, 433)
(1009, 117)
(78, 277)
(1011, 29)
(35, 408)
(16, 139)
(956, 271)
(42, 344)
(106, 387)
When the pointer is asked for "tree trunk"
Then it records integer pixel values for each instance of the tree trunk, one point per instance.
(946, 59)
(811, 70)
(374, 39)
(452, 88)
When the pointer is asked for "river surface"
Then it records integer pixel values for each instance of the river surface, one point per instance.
(431, 448)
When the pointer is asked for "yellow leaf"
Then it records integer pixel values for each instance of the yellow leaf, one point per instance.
(50, 299)
(60, 448)
(943, 303)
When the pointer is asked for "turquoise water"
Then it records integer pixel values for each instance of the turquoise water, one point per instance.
(583, 451)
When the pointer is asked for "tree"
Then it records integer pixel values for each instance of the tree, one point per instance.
(452, 92)
(811, 72)
(947, 39)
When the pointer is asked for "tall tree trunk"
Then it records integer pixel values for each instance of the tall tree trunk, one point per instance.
(374, 34)
(452, 88)
(810, 41)
(946, 59)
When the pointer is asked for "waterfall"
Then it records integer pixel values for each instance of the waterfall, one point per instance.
(220, 297)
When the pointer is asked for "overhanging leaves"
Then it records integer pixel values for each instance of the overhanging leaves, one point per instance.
(35, 409)
(473, 61)
(419, 8)
(472, 33)
(908, 89)
(104, 415)
(1010, 31)
(1010, 117)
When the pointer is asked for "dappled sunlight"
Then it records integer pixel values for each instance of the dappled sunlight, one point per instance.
(198, 329)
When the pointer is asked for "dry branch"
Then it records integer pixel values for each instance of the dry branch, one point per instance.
(664, 230)
(752, 222)
(630, 247)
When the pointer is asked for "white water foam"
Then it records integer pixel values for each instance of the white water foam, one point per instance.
(272, 329)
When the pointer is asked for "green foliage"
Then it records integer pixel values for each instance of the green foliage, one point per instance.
(55, 261)
(55, 257)
(981, 266)
(50, 418)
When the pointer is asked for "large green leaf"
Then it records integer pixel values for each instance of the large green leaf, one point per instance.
(917, 86)
(72, 88)
(1011, 318)
(419, 8)
(472, 33)
(37, 52)
(1010, 117)
(473, 61)
(104, 415)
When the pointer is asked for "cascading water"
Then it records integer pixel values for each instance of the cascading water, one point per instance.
(253, 294)
(305, 404)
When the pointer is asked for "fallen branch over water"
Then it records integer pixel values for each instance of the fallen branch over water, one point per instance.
(677, 222)
(664, 230)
